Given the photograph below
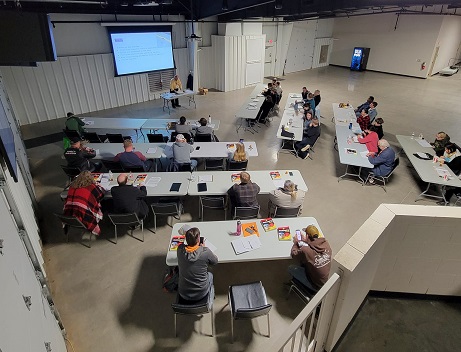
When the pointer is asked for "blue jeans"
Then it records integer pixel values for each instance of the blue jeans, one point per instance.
(299, 273)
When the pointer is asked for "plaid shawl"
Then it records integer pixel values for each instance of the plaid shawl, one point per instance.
(84, 204)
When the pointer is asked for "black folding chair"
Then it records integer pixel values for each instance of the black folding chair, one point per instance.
(203, 138)
(113, 166)
(237, 165)
(72, 221)
(155, 138)
(129, 219)
(91, 137)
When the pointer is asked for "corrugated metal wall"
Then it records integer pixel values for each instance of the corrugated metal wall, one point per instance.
(231, 61)
(79, 84)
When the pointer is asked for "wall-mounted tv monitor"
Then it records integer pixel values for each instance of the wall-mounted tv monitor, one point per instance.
(25, 38)
(141, 49)
(7, 148)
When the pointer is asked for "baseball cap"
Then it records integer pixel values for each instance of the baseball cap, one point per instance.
(75, 139)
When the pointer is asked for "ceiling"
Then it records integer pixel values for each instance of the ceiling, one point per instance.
(236, 10)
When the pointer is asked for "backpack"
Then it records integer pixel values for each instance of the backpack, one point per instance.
(171, 279)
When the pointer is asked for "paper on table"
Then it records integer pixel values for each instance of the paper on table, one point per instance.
(151, 150)
(153, 182)
(246, 244)
(255, 100)
(252, 104)
(89, 122)
(422, 155)
(278, 183)
(260, 95)
(364, 154)
(424, 143)
(442, 172)
(205, 178)
(96, 151)
(210, 245)
(107, 186)
(251, 108)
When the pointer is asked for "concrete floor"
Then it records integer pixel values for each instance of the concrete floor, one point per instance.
(391, 324)
(110, 296)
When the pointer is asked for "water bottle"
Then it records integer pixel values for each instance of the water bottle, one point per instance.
(412, 135)
(350, 125)
(239, 228)
(111, 175)
(209, 118)
(130, 176)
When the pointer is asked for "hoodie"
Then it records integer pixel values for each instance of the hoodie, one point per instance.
(316, 259)
(193, 272)
(439, 146)
(181, 152)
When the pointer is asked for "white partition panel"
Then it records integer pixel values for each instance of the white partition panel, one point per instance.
(322, 51)
(231, 60)
(79, 84)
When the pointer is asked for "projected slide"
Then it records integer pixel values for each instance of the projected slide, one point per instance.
(142, 52)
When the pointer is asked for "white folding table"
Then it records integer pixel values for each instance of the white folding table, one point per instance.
(168, 97)
(426, 169)
(159, 188)
(213, 149)
(350, 153)
(220, 234)
(250, 108)
(222, 181)
(114, 123)
(155, 124)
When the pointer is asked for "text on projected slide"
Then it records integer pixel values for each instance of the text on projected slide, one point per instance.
(141, 52)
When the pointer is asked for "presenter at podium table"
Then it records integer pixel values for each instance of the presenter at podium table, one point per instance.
(175, 87)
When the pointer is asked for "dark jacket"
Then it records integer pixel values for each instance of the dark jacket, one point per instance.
(455, 165)
(244, 195)
(193, 272)
(79, 158)
(129, 199)
(439, 146)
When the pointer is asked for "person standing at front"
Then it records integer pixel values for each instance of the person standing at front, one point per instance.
(175, 87)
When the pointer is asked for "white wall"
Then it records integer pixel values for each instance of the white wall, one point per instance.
(400, 248)
(448, 41)
(399, 51)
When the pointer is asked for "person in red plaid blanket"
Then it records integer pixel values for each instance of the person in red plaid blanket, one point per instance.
(84, 201)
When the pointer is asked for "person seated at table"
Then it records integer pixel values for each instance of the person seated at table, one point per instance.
(175, 87)
(74, 123)
(441, 139)
(364, 106)
(279, 91)
(451, 152)
(311, 101)
(244, 194)
(264, 109)
(363, 120)
(310, 136)
(77, 156)
(307, 121)
(304, 93)
(314, 254)
(240, 153)
(181, 152)
(317, 97)
(130, 158)
(129, 199)
(307, 109)
(372, 112)
(455, 166)
(182, 127)
(378, 124)
(84, 201)
(370, 138)
(286, 197)
(205, 129)
(383, 161)
(195, 281)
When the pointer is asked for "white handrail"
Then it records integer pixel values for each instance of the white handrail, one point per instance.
(290, 333)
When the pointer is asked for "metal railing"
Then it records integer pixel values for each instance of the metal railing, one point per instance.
(309, 331)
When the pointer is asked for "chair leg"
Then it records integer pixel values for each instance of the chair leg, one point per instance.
(115, 234)
(142, 229)
(268, 326)
(175, 325)
(232, 328)
(213, 332)
(155, 223)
